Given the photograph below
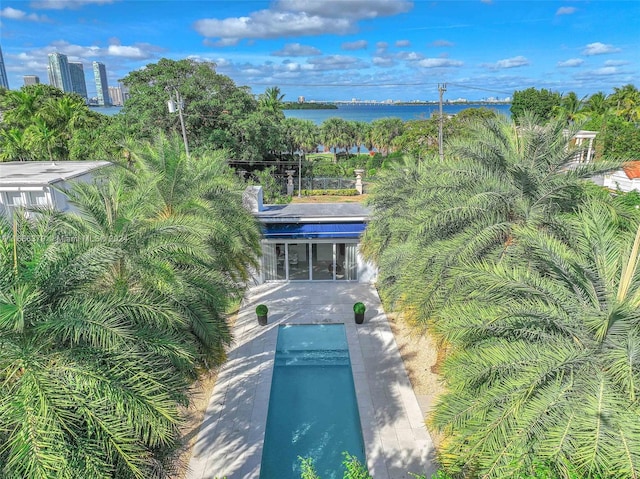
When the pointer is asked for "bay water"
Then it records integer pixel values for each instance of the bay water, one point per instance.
(368, 112)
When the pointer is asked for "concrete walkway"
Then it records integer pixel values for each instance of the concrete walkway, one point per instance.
(230, 440)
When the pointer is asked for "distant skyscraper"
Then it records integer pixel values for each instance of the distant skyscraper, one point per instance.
(31, 80)
(59, 75)
(4, 82)
(102, 87)
(115, 94)
(78, 82)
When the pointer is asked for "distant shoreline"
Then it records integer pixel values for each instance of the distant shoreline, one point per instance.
(340, 104)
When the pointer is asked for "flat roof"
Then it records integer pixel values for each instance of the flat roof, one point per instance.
(313, 212)
(18, 173)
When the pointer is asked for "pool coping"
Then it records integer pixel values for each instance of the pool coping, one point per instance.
(229, 442)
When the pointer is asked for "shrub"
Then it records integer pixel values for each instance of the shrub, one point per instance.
(359, 308)
(262, 310)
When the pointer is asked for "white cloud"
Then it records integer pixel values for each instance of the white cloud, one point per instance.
(566, 10)
(383, 61)
(410, 56)
(571, 62)
(403, 43)
(135, 53)
(615, 63)
(15, 14)
(62, 4)
(357, 45)
(513, 62)
(296, 50)
(605, 71)
(381, 47)
(598, 48)
(288, 18)
(269, 24)
(337, 62)
(441, 43)
(353, 9)
(439, 63)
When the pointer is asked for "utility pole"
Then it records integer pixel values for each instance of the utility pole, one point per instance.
(179, 105)
(442, 87)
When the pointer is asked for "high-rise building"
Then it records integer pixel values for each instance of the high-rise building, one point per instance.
(102, 87)
(115, 94)
(31, 80)
(78, 82)
(4, 82)
(59, 75)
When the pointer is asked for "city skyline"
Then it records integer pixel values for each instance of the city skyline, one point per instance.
(342, 49)
(4, 82)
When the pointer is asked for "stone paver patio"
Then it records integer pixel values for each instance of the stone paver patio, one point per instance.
(230, 440)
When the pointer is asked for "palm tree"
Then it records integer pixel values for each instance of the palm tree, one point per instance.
(545, 365)
(597, 104)
(570, 108)
(361, 132)
(90, 378)
(43, 140)
(108, 313)
(14, 145)
(271, 100)
(335, 133)
(431, 216)
(626, 102)
(383, 132)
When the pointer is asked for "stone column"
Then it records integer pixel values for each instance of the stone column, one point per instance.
(359, 174)
(290, 182)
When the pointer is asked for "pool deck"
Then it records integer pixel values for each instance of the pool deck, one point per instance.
(229, 443)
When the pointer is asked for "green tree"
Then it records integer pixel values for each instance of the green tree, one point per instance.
(545, 360)
(43, 140)
(272, 100)
(107, 314)
(54, 124)
(539, 102)
(88, 377)
(596, 104)
(361, 132)
(14, 145)
(335, 133)
(626, 102)
(432, 216)
(215, 110)
(384, 131)
(570, 108)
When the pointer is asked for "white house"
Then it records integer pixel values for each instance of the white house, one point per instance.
(310, 242)
(626, 179)
(25, 184)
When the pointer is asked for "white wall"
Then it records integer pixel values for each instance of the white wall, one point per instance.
(620, 180)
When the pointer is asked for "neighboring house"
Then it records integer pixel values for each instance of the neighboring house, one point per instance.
(40, 184)
(626, 179)
(310, 242)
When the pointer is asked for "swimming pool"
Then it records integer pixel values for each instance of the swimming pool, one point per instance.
(313, 410)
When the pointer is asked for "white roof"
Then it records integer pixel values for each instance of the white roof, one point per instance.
(20, 173)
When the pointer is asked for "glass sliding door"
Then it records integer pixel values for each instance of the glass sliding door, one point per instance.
(273, 260)
(347, 261)
(322, 261)
(303, 261)
(298, 259)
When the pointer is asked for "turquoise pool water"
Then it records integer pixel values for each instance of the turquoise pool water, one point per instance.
(312, 408)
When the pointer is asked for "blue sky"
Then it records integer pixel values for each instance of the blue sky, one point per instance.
(341, 49)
